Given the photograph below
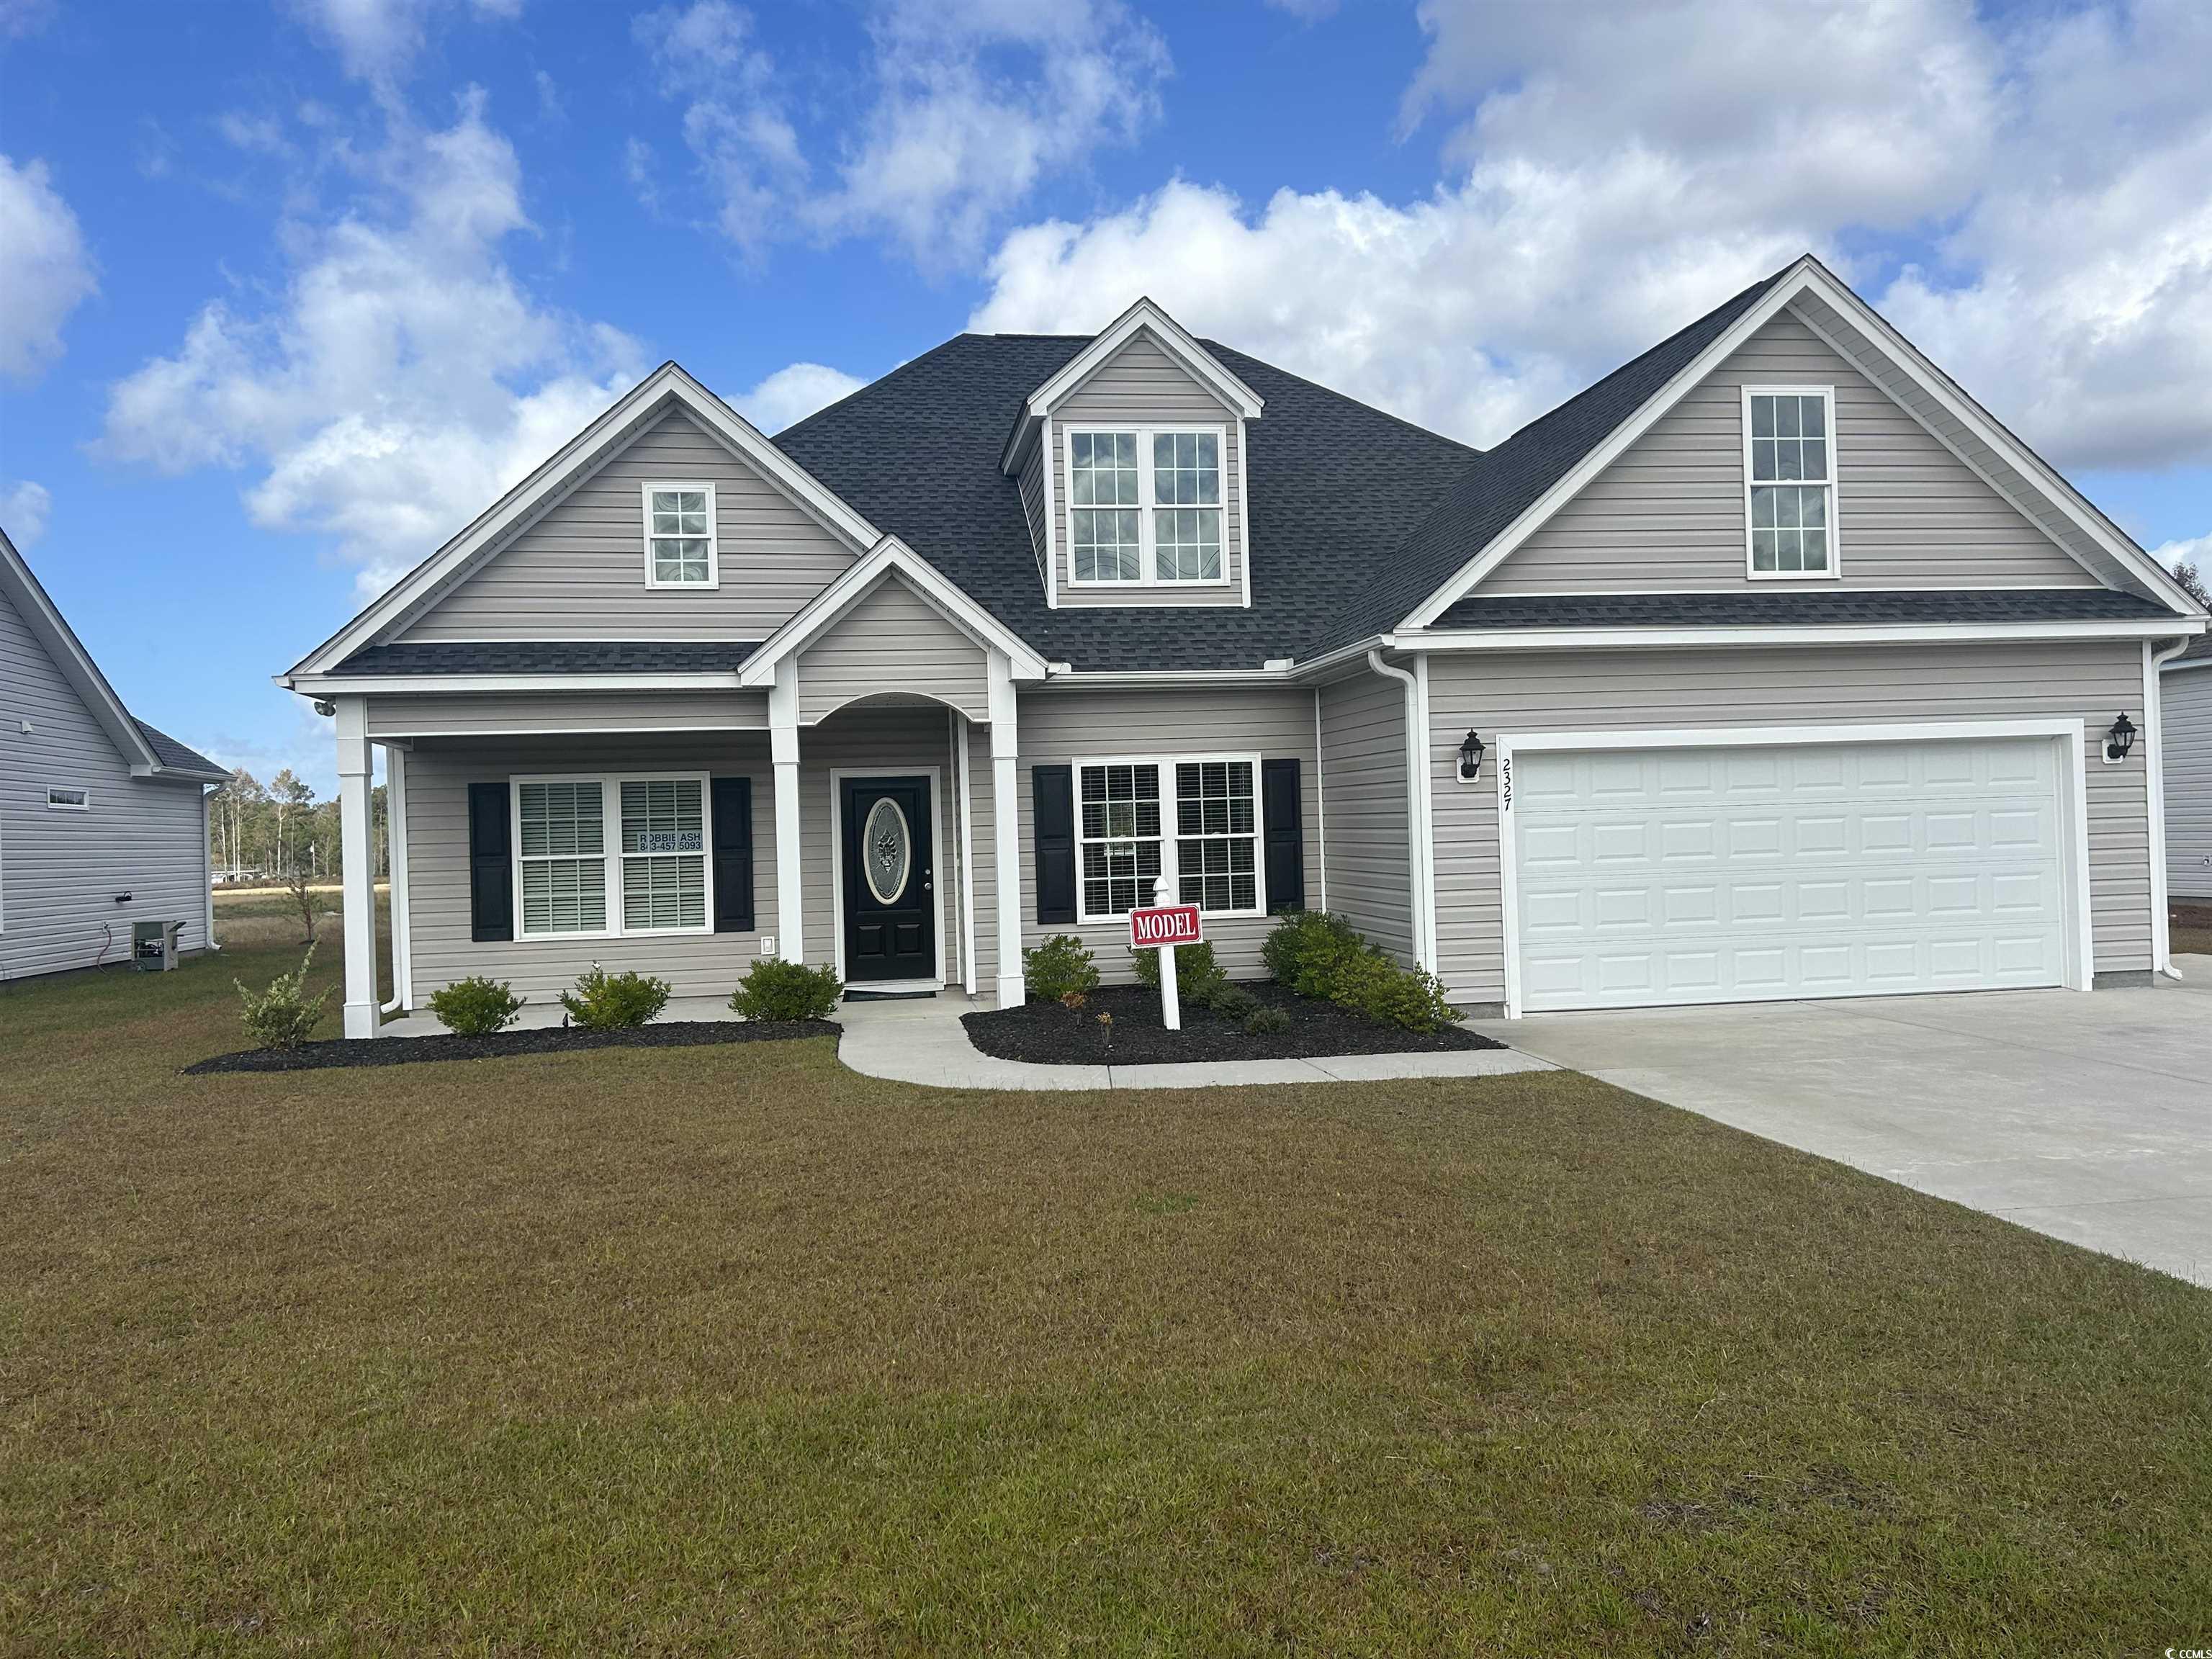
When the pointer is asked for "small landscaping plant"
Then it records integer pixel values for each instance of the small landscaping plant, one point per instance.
(1377, 989)
(1198, 977)
(615, 1002)
(774, 989)
(1060, 968)
(1308, 948)
(1264, 1021)
(476, 1006)
(283, 1017)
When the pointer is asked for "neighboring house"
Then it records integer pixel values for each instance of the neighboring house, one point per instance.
(2185, 731)
(103, 819)
(1790, 668)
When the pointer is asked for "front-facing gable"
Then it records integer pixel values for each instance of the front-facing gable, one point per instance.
(893, 637)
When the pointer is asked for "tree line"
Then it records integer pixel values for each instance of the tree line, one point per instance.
(273, 831)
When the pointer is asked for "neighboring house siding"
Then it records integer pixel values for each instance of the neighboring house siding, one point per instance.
(1032, 484)
(1363, 755)
(1515, 692)
(1140, 386)
(2186, 706)
(438, 777)
(461, 714)
(579, 572)
(1670, 514)
(891, 640)
(61, 871)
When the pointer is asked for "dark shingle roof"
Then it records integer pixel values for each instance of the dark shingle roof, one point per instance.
(168, 750)
(1839, 607)
(2199, 649)
(1334, 486)
(551, 657)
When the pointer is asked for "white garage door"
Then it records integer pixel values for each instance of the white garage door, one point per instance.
(1723, 874)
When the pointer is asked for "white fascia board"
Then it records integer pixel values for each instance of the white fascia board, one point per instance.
(51, 630)
(1807, 275)
(332, 685)
(888, 556)
(1597, 639)
(2184, 667)
(523, 504)
(1077, 679)
(1180, 344)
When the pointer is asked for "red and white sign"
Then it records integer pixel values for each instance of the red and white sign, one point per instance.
(1165, 924)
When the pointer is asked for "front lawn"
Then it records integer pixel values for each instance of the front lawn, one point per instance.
(728, 1350)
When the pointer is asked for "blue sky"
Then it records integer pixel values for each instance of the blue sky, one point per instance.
(289, 290)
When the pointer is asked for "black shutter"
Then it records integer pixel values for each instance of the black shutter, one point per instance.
(491, 881)
(1052, 793)
(1283, 824)
(734, 856)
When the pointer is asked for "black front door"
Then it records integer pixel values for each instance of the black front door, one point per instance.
(891, 908)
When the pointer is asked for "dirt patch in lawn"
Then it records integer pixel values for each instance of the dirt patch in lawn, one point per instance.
(550, 1039)
(2189, 929)
(1047, 1034)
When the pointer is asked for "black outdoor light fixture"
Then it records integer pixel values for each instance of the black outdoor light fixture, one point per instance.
(1470, 758)
(2120, 739)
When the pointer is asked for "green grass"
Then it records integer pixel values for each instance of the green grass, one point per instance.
(728, 1350)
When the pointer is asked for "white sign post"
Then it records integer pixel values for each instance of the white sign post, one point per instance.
(1162, 928)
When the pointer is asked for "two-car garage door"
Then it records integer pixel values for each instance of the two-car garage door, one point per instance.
(1728, 873)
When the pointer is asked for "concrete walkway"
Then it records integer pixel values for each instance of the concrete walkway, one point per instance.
(923, 1042)
(2088, 1118)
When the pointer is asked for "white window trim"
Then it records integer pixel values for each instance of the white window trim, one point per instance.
(1147, 560)
(713, 535)
(1171, 832)
(610, 851)
(1826, 394)
(53, 805)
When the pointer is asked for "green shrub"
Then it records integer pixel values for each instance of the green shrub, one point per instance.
(1232, 1002)
(1266, 1021)
(1198, 977)
(775, 989)
(1307, 948)
(283, 1015)
(1058, 968)
(614, 1002)
(477, 1007)
(1377, 989)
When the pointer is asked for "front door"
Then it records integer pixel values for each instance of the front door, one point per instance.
(891, 909)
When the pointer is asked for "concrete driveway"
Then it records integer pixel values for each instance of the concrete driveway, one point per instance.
(2088, 1118)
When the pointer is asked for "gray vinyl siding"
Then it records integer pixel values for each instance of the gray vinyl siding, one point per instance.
(2186, 715)
(1061, 728)
(579, 572)
(1517, 692)
(891, 640)
(61, 871)
(1032, 486)
(1362, 754)
(1142, 385)
(438, 777)
(452, 714)
(1670, 514)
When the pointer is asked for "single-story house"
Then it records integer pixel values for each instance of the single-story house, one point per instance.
(1771, 666)
(2185, 691)
(103, 819)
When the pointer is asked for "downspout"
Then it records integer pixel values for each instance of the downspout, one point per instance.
(1417, 861)
(2154, 720)
(395, 835)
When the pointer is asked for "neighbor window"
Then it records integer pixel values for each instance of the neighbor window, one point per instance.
(611, 855)
(1145, 506)
(679, 535)
(69, 801)
(1791, 481)
(1201, 834)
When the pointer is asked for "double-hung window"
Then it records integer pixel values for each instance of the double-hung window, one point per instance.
(1192, 822)
(1145, 506)
(679, 536)
(1789, 480)
(611, 856)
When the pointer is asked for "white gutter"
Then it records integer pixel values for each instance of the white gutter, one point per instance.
(1419, 842)
(2161, 930)
(325, 685)
(1578, 639)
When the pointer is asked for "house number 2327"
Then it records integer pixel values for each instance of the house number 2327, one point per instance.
(1505, 783)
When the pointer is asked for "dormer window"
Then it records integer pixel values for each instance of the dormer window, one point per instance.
(1789, 480)
(1144, 506)
(679, 536)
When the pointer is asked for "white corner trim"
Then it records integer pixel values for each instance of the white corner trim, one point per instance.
(2162, 932)
(1046, 457)
(1243, 512)
(1321, 799)
(1420, 857)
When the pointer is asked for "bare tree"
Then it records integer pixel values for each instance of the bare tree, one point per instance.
(303, 895)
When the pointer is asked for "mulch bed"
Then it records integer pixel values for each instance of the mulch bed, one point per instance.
(551, 1040)
(1044, 1033)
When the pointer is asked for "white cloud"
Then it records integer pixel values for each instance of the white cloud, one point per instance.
(2056, 167)
(403, 378)
(378, 41)
(24, 511)
(44, 271)
(794, 392)
(2191, 550)
(733, 121)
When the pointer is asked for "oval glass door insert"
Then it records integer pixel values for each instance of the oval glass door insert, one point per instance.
(887, 850)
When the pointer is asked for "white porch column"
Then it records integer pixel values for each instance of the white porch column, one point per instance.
(357, 866)
(783, 748)
(395, 835)
(1006, 821)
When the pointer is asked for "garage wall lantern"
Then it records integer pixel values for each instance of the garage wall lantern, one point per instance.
(2119, 740)
(1470, 758)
